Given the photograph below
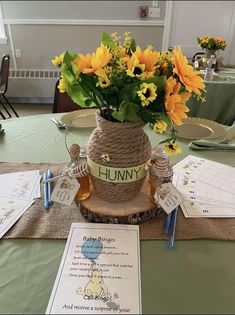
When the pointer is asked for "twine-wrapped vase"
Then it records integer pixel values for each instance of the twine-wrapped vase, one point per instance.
(117, 153)
(209, 53)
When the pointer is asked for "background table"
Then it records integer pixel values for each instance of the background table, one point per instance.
(196, 277)
(219, 105)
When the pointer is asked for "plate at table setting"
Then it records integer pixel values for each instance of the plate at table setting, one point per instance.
(194, 128)
(83, 118)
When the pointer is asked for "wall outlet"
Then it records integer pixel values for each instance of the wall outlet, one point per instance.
(154, 3)
(18, 53)
(154, 12)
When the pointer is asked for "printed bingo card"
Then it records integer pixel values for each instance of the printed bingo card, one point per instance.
(206, 186)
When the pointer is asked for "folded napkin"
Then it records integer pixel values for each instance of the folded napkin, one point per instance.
(230, 132)
(201, 145)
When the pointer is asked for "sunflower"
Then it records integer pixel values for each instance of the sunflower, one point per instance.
(84, 63)
(147, 93)
(57, 61)
(164, 62)
(134, 67)
(142, 64)
(174, 102)
(172, 148)
(187, 75)
(101, 57)
(62, 85)
(129, 83)
(149, 58)
(95, 62)
(103, 80)
(160, 126)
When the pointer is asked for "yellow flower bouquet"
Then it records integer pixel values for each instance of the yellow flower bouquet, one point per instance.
(129, 84)
(211, 43)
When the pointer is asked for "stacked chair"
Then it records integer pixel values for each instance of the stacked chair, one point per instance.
(4, 74)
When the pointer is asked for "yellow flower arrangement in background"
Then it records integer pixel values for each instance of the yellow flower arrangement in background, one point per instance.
(212, 43)
(130, 84)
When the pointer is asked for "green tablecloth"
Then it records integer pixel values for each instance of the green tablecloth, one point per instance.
(196, 277)
(219, 105)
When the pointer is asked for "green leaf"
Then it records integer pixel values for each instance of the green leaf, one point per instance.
(118, 115)
(119, 80)
(162, 116)
(127, 112)
(69, 56)
(107, 40)
(128, 93)
(89, 103)
(131, 114)
(110, 90)
(167, 140)
(88, 83)
(74, 68)
(78, 95)
(133, 45)
(159, 81)
(68, 74)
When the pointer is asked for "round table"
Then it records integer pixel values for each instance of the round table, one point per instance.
(196, 277)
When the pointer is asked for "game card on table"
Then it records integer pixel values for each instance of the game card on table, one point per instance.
(99, 271)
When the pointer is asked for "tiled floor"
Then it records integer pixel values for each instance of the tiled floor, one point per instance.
(33, 109)
(30, 109)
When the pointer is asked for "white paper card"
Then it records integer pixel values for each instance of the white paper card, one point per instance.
(10, 212)
(99, 272)
(194, 210)
(65, 190)
(207, 187)
(168, 197)
(20, 185)
(17, 191)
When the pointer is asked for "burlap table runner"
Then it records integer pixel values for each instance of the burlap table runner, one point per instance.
(38, 223)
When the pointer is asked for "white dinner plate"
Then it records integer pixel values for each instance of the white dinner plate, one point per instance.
(83, 118)
(200, 128)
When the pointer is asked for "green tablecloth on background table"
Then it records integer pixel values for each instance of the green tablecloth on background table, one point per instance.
(196, 277)
(219, 105)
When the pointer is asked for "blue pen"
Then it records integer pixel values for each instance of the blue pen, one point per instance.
(167, 223)
(45, 191)
(172, 228)
(49, 175)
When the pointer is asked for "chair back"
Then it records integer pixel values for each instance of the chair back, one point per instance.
(4, 74)
(62, 102)
(197, 54)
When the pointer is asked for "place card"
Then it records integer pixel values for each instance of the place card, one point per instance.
(65, 190)
(99, 271)
(168, 197)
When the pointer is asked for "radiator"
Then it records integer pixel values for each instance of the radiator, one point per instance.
(34, 74)
(32, 85)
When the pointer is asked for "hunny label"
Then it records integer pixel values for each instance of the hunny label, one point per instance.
(116, 174)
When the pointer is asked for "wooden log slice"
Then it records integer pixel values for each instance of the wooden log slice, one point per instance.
(129, 212)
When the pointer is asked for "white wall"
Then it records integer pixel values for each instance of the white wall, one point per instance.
(43, 29)
(192, 19)
(104, 10)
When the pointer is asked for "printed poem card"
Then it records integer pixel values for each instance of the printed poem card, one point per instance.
(99, 272)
